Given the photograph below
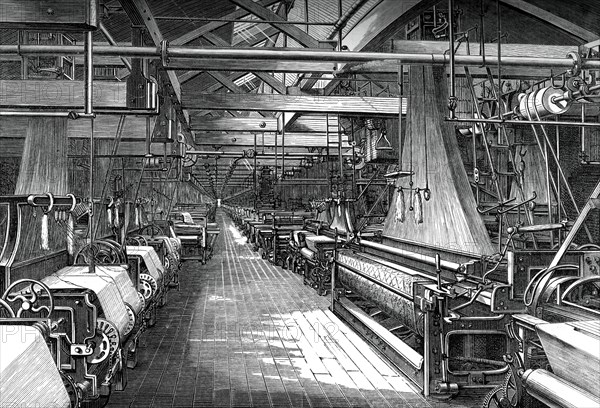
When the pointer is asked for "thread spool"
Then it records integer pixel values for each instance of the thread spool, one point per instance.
(542, 103)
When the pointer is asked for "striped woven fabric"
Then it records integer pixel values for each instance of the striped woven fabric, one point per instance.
(106, 290)
(115, 272)
(151, 260)
(28, 373)
(400, 307)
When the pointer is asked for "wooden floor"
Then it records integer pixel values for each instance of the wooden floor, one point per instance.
(243, 333)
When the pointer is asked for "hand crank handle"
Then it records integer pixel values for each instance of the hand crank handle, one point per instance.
(535, 228)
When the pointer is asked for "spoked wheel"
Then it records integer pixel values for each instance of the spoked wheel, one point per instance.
(152, 230)
(5, 310)
(136, 240)
(495, 399)
(24, 297)
(102, 252)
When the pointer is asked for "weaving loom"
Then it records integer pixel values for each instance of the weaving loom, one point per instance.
(406, 292)
(113, 305)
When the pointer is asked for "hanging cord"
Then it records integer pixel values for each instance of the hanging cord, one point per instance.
(426, 191)
(115, 148)
(139, 183)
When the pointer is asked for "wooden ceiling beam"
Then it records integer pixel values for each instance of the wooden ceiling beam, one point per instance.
(248, 124)
(390, 15)
(359, 105)
(213, 25)
(267, 78)
(305, 124)
(187, 76)
(550, 18)
(225, 81)
(291, 140)
(142, 10)
(270, 80)
(291, 30)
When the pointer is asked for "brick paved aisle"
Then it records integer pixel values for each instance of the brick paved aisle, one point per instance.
(243, 333)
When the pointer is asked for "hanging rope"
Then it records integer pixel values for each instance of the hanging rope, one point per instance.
(115, 148)
(426, 191)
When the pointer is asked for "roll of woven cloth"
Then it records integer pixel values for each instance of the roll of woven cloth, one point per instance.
(28, 373)
(308, 254)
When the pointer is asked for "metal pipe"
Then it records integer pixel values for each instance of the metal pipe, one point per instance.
(33, 113)
(343, 18)
(283, 125)
(236, 154)
(340, 153)
(452, 98)
(524, 122)
(499, 62)
(400, 100)
(282, 143)
(112, 41)
(88, 110)
(295, 55)
(254, 174)
(426, 259)
(88, 73)
(15, 111)
(481, 32)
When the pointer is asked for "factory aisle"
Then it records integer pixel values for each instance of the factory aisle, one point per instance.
(243, 333)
